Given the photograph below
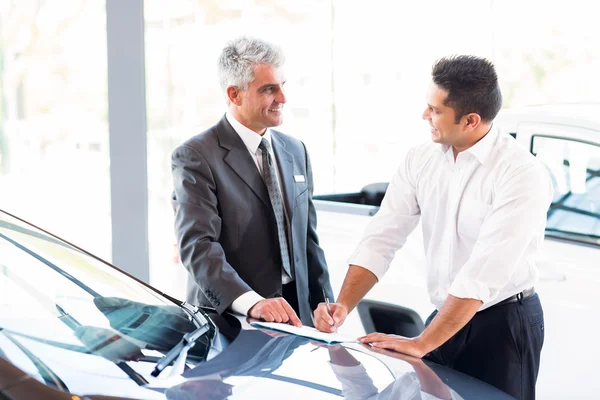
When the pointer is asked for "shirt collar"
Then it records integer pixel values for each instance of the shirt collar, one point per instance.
(480, 150)
(250, 138)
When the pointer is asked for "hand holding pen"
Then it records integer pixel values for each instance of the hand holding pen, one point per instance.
(329, 316)
(328, 305)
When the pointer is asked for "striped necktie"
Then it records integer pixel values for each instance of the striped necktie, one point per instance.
(270, 177)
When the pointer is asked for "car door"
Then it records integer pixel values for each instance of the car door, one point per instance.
(568, 264)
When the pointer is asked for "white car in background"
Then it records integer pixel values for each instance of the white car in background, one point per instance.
(567, 139)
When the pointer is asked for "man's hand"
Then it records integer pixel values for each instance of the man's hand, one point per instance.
(356, 285)
(411, 346)
(275, 310)
(394, 354)
(324, 322)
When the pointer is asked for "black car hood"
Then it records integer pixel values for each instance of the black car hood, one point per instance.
(263, 364)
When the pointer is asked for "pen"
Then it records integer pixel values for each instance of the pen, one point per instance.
(328, 307)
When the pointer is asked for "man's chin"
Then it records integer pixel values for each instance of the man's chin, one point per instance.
(275, 122)
(436, 138)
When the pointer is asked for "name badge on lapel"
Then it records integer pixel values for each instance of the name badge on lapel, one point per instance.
(299, 178)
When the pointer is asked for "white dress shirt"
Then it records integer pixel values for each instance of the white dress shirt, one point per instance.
(483, 218)
(252, 140)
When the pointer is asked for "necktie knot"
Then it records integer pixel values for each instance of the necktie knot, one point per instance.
(264, 145)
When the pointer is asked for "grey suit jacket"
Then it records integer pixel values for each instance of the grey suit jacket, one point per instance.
(226, 228)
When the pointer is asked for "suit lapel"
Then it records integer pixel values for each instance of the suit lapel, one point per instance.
(240, 161)
(285, 161)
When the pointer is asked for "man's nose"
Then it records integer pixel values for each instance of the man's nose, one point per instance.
(281, 98)
(425, 114)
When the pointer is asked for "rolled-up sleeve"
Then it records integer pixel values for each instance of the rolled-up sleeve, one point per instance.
(397, 217)
(513, 227)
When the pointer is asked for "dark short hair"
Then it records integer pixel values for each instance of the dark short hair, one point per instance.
(472, 86)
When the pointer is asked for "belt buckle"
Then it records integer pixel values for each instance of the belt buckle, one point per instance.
(520, 297)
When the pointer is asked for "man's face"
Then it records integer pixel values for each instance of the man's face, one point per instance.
(261, 105)
(441, 118)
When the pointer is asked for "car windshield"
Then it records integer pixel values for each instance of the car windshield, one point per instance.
(56, 298)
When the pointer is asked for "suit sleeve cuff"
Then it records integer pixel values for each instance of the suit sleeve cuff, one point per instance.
(468, 289)
(370, 260)
(242, 304)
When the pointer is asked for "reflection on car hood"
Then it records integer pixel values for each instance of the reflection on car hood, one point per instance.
(264, 365)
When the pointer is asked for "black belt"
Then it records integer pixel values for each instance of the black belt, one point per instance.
(525, 294)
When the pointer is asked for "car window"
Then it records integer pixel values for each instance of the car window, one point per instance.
(574, 166)
(58, 302)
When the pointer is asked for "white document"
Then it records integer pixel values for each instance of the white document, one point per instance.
(305, 331)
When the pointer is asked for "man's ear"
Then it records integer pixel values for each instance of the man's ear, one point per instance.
(234, 95)
(471, 121)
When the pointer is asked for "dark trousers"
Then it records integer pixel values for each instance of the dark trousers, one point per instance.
(289, 293)
(501, 345)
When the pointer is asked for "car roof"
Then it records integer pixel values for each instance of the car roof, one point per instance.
(585, 115)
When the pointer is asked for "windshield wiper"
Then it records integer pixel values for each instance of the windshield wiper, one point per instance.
(204, 323)
(195, 312)
(181, 349)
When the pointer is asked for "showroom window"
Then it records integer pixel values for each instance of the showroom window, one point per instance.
(575, 170)
(54, 154)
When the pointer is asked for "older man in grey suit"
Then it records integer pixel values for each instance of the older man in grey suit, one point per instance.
(244, 216)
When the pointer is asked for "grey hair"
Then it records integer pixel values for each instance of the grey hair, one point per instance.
(241, 55)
